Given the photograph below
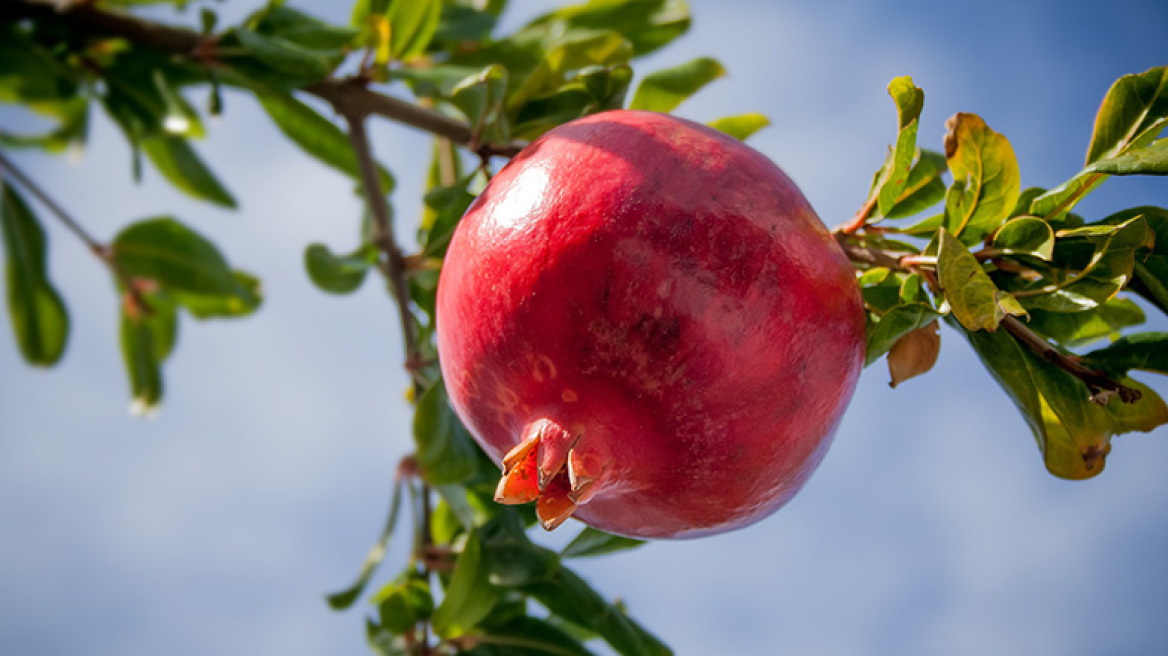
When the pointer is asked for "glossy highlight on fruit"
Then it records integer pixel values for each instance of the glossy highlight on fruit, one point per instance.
(645, 323)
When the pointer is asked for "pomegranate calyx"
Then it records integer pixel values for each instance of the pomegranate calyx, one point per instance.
(546, 467)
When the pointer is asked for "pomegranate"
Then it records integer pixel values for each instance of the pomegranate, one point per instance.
(645, 322)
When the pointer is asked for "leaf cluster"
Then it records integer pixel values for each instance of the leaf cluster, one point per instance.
(1020, 275)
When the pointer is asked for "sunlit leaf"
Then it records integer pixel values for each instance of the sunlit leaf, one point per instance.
(663, 91)
(1025, 235)
(742, 126)
(894, 175)
(1132, 114)
(412, 25)
(976, 302)
(1073, 433)
(924, 187)
(986, 182)
(40, 322)
(647, 24)
(1150, 160)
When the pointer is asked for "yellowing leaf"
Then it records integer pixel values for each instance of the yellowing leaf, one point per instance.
(976, 302)
(914, 354)
(986, 182)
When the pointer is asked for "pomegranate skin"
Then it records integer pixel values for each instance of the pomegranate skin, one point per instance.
(656, 306)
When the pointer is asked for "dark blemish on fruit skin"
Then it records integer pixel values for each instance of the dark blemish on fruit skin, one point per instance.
(659, 335)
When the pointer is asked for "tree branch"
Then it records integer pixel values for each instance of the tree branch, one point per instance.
(383, 234)
(351, 94)
(1102, 387)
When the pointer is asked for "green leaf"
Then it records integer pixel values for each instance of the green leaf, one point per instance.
(446, 452)
(897, 322)
(1107, 272)
(663, 91)
(1146, 351)
(893, 176)
(317, 136)
(1150, 267)
(345, 598)
(570, 597)
(30, 74)
(1025, 235)
(986, 182)
(1133, 112)
(594, 89)
(482, 98)
(742, 126)
(1073, 433)
(976, 302)
(147, 339)
(402, 604)
(72, 128)
(593, 542)
(470, 596)
(302, 29)
(297, 63)
(647, 24)
(527, 636)
(338, 274)
(553, 70)
(510, 557)
(164, 250)
(178, 163)
(412, 24)
(447, 204)
(924, 187)
(40, 321)
(1078, 328)
(1150, 160)
(244, 301)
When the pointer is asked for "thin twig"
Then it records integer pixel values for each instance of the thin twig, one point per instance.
(1102, 387)
(383, 235)
(102, 251)
(8, 167)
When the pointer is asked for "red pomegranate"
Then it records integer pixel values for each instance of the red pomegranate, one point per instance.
(646, 323)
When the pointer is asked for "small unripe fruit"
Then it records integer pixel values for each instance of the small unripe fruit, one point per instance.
(645, 322)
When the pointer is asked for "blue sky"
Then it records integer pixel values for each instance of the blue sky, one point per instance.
(931, 527)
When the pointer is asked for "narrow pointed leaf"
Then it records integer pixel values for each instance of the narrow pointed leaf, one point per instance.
(316, 135)
(593, 542)
(178, 163)
(345, 598)
(412, 25)
(893, 178)
(39, 319)
(469, 596)
(742, 126)
(147, 339)
(663, 91)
